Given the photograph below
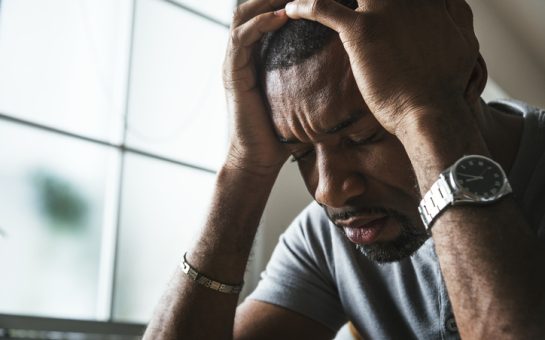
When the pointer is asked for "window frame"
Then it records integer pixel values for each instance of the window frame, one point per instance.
(103, 322)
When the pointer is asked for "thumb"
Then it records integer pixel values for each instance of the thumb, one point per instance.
(327, 12)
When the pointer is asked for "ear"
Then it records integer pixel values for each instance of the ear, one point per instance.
(477, 81)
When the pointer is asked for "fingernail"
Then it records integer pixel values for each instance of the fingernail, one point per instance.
(280, 12)
(289, 5)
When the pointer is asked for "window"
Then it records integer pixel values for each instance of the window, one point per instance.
(112, 124)
(176, 102)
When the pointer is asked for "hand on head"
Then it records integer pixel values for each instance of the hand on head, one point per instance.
(405, 55)
(253, 147)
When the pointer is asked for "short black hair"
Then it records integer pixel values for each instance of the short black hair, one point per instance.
(296, 41)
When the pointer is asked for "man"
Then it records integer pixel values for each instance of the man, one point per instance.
(374, 110)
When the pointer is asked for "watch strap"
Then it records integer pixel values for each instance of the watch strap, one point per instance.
(435, 200)
(446, 191)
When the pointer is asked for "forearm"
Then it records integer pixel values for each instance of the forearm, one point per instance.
(190, 311)
(492, 267)
(489, 256)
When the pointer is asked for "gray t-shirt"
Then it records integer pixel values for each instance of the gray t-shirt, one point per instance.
(316, 271)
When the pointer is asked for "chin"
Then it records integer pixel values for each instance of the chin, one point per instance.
(393, 251)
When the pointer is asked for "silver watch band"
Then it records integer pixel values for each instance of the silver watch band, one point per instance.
(435, 200)
(447, 191)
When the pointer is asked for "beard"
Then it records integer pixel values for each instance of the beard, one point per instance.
(409, 240)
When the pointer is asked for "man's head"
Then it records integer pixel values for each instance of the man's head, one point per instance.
(296, 41)
(357, 171)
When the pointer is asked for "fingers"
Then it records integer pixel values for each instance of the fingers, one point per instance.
(326, 12)
(246, 35)
(251, 31)
(251, 21)
(252, 8)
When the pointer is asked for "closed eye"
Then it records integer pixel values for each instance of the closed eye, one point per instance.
(377, 136)
(301, 156)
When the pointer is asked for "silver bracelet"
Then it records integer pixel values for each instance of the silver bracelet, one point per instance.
(208, 282)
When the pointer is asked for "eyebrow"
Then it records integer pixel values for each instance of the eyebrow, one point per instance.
(353, 118)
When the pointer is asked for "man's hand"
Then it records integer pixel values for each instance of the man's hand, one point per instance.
(254, 146)
(406, 56)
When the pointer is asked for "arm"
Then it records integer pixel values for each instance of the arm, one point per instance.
(188, 310)
(418, 68)
(260, 320)
(491, 260)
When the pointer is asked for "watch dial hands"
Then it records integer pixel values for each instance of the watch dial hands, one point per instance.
(484, 171)
(471, 177)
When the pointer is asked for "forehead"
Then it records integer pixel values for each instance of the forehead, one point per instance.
(321, 90)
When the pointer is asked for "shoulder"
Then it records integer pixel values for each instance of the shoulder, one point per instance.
(527, 175)
(517, 107)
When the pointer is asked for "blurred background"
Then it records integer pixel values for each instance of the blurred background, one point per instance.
(112, 126)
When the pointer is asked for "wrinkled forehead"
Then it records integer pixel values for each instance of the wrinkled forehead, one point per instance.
(324, 81)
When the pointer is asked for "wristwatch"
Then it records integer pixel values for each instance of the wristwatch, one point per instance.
(473, 179)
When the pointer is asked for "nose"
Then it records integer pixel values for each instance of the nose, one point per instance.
(338, 179)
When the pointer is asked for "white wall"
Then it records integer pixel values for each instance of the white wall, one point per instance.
(512, 38)
(289, 196)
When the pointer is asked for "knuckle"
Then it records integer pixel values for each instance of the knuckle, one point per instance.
(235, 37)
(257, 21)
(238, 15)
(226, 67)
(226, 78)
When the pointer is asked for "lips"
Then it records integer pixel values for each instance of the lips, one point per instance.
(363, 230)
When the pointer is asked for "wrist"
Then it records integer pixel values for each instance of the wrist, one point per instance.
(435, 137)
(255, 163)
(249, 171)
(223, 246)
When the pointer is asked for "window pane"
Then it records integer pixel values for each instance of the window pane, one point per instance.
(53, 201)
(63, 63)
(163, 207)
(177, 105)
(221, 10)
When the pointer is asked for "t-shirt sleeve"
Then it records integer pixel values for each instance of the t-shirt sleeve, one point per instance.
(299, 274)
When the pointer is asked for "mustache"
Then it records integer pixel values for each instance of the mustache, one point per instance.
(353, 212)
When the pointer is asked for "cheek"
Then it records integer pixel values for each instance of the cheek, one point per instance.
(389, 164)
(309, 175)
(385, 163)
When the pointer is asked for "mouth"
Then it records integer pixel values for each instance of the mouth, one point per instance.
(363, 230)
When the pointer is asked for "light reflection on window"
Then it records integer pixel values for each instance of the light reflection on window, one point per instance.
(177, 105)
(51, 212)
(159, 219)
(64, 64)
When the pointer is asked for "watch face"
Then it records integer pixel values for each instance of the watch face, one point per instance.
(479, 176)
